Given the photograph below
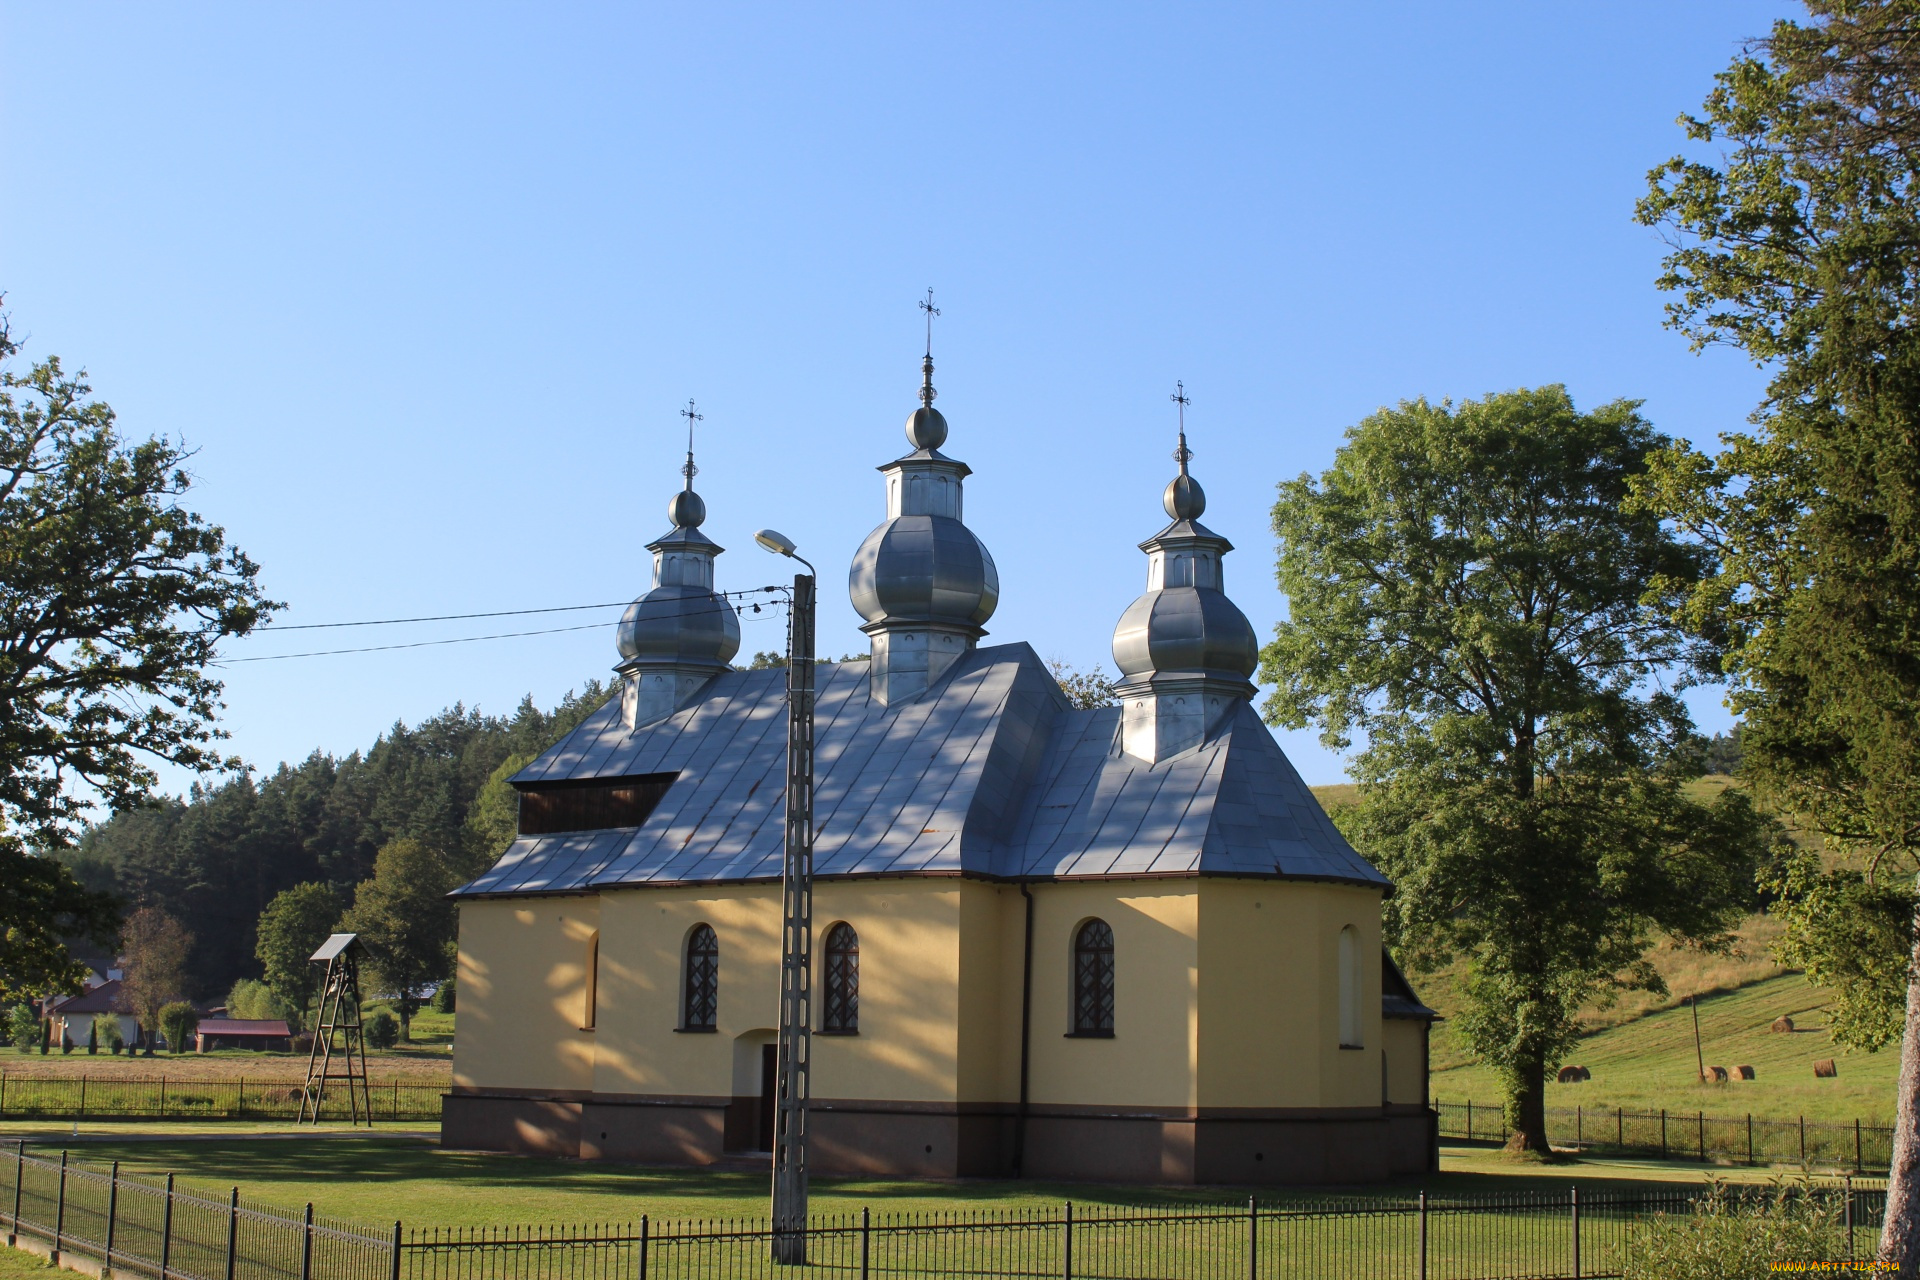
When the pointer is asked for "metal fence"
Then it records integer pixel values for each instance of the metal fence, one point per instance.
(1536, 1235)
(148, 1226)
(1688, 1135)
(112, 1097)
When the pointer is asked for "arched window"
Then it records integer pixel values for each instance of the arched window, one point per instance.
(590, 997)
(1350, 989)
(840, 1011)
(701, 1000)
(1093, 979)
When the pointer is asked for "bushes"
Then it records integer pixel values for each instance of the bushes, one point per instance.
(250, 999)
(383, 1030)
(105, 1032)
(178, 1021)
(443, 997)
(23, 1029)
(1737, 1238)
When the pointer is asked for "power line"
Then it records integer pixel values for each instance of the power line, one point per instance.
(498, 613)
(505, 635)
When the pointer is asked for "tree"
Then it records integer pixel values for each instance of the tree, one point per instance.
(1801, 247)
(493, 821)
(116, 597)
(406, 923)
(1085, 690)
(291, 929)
(178, 1022)
(41, 905)
(1464, 593)
(154, 966)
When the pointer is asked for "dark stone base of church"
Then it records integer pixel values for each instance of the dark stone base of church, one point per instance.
(1233, 1146)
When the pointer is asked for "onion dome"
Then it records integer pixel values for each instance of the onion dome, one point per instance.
(681, 633)
(924, 585)
(1185, 651)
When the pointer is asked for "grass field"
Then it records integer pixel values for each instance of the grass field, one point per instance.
(15, 1263)
(377, 1179)
(1649, 1063)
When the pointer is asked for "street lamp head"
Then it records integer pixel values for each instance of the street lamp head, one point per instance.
(778, 543)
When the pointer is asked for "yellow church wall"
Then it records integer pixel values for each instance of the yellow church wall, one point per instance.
(522, 975)
(1405, 1042)
(1268, 996)
(907, 1046)
(1150, 1060)
(987, 1049)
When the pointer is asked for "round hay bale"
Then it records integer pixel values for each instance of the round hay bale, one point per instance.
(1825, 1070)
(1743, 1073)
(1782, 1023)
(1573, 1075)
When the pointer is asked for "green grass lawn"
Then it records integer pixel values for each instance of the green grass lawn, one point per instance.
(377, 1179)
(16, 1263)
(1648, 1064)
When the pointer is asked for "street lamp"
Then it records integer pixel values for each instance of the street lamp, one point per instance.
(795, 1053)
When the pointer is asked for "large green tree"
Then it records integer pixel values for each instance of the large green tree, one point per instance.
(114, 596)
(1464, 597)
(406, 923)
(291, 929)
(1799, 243)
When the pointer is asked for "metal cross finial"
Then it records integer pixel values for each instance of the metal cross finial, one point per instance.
(926, 305)
(1179, 397)
(689, 470)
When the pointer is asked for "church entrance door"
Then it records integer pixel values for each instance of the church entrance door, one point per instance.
(769, 1082)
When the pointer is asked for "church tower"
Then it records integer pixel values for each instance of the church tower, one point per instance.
(1184, 650)
(922, 581)
(680, 634)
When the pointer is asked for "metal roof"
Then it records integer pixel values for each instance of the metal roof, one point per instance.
(334, 945)
(989, 773)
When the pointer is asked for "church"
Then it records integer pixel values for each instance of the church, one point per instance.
(1117, 944)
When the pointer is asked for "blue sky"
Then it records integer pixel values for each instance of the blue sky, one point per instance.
(425, 285)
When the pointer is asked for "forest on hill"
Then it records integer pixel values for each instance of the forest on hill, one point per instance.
(216, 859)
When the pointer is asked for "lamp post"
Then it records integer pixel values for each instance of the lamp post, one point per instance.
(795, 1052)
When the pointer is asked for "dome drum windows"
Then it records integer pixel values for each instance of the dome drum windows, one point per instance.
(840, 982)
(700, 983)
(1093, 981)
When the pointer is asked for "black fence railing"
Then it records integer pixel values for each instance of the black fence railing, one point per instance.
(114, 1097)
(1688, 1135)
(147, 1225)
(1536, 1235)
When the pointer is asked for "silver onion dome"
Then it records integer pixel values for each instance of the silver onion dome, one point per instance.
(1185, 629)
(924, 568)
(679, 624)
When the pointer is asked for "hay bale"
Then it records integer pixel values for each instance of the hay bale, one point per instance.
(1714, 1075)
(1743, 1073)
(1573, 1075)
(1782, 1023)
(1825, 1070)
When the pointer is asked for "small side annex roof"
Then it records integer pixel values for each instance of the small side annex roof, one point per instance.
(990, 773)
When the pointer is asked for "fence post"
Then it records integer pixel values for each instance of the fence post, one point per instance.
(3, 1095)
(864, 1241)
(1663, 1133)
(306, 1246)
(240, 1097)
(1423, 1235)
(166, 1230)
(19, 1177)
(1619, 1127)
(83, 1095)
(1469, 1117)
(1579, 1128)
(643, 1248)
(1803, 1141)
(1850, 1254)
(1856, 1144)
(1701, 1116)
(60, 1207)
(1066, 1249)
(1253, 1238)
(233, 1230)
(113, 1205)
(1749, 1137)
(1573, 1195)
(394, 1273)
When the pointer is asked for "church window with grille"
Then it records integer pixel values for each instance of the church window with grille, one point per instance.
(840, 1011)
(1093, 979)
(702, 998)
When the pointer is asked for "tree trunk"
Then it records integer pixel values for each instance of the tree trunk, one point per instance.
(1900, 1242)
(1527, 1110)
